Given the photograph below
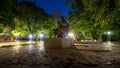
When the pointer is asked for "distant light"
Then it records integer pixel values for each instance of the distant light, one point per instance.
(108, 32)
(70, 34)
(30, 36)
(41, 35)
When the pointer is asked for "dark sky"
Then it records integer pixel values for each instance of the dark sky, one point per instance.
(54, 5)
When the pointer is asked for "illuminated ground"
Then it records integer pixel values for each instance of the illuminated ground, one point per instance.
(36, 56)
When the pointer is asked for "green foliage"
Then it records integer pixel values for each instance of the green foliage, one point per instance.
(7, 8)
(31, 15)
(1, 28)
(25, 17)
(94, 17)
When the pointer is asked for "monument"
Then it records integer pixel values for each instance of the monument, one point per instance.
(60, 40)
(62, 30)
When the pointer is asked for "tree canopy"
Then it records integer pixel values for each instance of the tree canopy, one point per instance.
(89, 18)
(25, 17)
(94, 17)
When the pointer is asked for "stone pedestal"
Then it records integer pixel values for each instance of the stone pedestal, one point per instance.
(58, 43)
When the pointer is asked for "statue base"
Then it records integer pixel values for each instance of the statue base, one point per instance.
(58, 43)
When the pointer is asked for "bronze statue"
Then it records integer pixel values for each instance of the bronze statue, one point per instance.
(62, 29)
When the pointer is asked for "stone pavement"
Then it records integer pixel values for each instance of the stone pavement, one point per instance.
(36, 56)
(95, 47)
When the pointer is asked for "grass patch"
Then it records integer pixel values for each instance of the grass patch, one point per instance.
(23, 44)
(6, 46)
(33, 43)
(116, 43)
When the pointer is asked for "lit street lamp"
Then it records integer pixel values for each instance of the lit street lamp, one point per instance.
(30, 37)
(109, 35)
(71, 35)
(41, 36)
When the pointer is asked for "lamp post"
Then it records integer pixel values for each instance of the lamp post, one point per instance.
(71, 35)
(30, 37)
(109, 35)
(41, 36)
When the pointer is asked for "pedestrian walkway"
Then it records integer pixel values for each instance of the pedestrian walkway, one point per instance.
(10, 43)
(38, 57)
(96, 47)
(7, 43)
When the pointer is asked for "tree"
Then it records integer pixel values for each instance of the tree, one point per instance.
(33, 18)
(49, 24)
(32, 15)
(92, 15)
(7, 9)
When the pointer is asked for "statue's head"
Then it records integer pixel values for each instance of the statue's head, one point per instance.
(62, 19)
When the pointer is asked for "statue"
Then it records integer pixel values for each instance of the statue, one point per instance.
(62, 28)
(60, 32)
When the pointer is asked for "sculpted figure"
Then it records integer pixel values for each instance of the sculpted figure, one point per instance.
(62, 29)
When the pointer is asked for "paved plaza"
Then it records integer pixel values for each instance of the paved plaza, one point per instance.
(36, 56)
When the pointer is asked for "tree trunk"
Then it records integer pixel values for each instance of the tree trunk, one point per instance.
(75, 35)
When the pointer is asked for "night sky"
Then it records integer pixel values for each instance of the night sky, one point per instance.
(53, 5)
